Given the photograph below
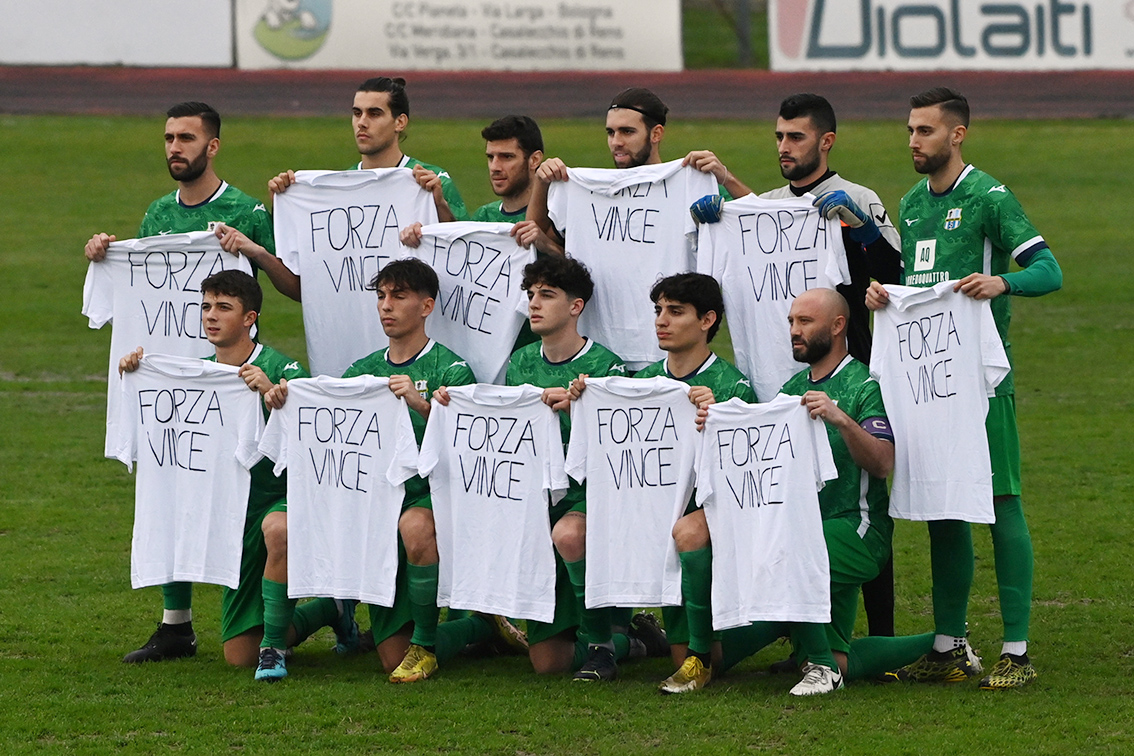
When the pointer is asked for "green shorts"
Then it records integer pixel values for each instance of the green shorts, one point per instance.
(575, 500)
(854, 560)
(387, 621)
(417, 494)
(243, 609)
(566, 608)
(1004, 445)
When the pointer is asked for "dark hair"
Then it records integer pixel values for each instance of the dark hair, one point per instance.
(399, 101)
(697, 289)
(209, 117)
(235, 283)
(409, 274)
(564, 273)
(644, 101)
(950, 100)
(521, 128)
(813, 106)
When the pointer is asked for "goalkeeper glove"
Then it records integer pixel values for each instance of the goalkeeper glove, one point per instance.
(838, 205)
(707, 209)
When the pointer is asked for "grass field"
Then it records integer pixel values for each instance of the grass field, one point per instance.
(67, 613)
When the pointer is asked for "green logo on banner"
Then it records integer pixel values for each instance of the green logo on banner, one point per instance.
(293, 29)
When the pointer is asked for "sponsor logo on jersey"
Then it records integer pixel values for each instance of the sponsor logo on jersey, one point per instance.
(953, 219)
(925, 254)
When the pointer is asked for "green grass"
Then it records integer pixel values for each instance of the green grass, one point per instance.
(67, 613)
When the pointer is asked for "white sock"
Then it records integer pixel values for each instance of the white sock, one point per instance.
(943, 643)
(176, 616)
(1016, 648)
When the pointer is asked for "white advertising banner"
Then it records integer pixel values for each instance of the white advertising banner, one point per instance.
(930, 35)
(517, 35)
(123, 32)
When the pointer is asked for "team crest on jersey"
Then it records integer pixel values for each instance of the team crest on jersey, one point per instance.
(422, 387)
(953, 219)
(212, 227)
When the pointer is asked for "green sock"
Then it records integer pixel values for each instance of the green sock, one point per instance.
(620, 616)
(278, 611)
(741, 642)
(809, 639)
(594, 624)
(870, 657)
(423, 603)
(453, 635)
(177, 596)
(582, 651)
(1012, 547)
(951, 559)
(621, 646)
(696, 588)
(312, 615)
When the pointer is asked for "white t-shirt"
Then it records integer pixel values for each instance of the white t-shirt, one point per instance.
(348, 446)
(759, 472)
(192, 427)
(492, 457)
(765, 253)
(938, 357)
(150, 289)
(629, 226)
(634, 441)
(335, 230)
(480, 305)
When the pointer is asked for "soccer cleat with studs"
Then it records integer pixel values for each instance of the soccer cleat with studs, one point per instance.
(690, 676)
(1009, 672)
(644, 626)
(953, 666)
(167, 642)
(419, 663)
(271, 667)
(599, 666)
(817, 680)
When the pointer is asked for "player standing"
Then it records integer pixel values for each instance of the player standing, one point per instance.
(203, 202)
(962, 224)
(379, 118)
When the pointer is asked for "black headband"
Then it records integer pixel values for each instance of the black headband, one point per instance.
(646, 113)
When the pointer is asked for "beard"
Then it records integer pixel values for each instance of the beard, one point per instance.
(516, 186)
(932, 162)
(190, 170)
(801, 170)
(641, 157)
(811, 351)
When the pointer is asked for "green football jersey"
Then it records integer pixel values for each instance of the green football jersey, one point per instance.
(717, 374)
(858, 395)
(975, 227)
(266, 489)
(166, 215)
(433, 367)
(528, 365)
(494, 212)
(448, 188)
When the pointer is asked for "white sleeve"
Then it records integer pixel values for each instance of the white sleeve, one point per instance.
(273, 444)
(126, 451)
(703, 469)
(836, 267)
(575, 463)
(557, 202)
(697, 185)
(98, 295)
(706, 257)
(555, 472)
(403, 466)
(878, 343)
(251, 431)
(285, 208)
(824, 461)
(433, 440)
(993, 358)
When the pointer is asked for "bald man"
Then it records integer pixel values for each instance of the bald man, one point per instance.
(856, 521)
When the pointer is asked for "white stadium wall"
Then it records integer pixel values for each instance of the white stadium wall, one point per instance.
(927, 35)
(517, 35)
(117, 32)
